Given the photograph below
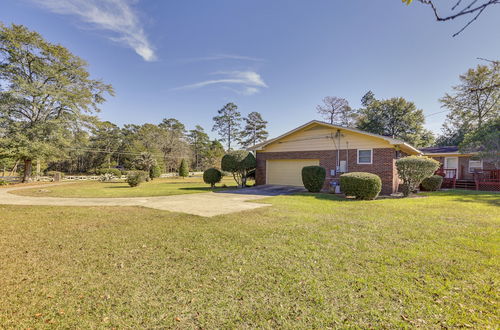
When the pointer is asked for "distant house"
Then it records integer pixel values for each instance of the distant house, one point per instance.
(336, 148)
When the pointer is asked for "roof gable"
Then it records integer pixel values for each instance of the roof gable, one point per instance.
(318, 125)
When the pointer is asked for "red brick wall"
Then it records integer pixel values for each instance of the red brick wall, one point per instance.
(383, 164)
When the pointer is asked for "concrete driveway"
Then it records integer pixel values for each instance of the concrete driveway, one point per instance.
(202, 204)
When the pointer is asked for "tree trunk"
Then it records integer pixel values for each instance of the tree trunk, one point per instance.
(27, 170)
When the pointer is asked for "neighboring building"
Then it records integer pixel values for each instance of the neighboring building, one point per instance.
(336, 148)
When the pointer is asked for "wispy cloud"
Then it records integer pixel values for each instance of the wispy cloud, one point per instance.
(220, 57)
(246, 82)
(116, 16)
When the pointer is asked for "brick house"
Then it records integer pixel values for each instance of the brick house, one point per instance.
(336, 148)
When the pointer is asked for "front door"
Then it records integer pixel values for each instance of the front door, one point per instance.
(451, 163)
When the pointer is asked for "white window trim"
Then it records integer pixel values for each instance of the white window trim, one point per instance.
(480, 160)
(371, 156)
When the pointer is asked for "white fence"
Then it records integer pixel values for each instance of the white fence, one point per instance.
(15, 179)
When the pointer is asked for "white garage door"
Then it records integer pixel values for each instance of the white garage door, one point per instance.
(287, 172)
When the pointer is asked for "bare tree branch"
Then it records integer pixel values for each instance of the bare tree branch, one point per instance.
(473, 7)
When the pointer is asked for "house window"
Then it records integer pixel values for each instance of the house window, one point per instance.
(475, 165)
(364, 156)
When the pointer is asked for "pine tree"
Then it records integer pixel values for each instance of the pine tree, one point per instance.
(227, 124)
(254, 131)
(184, 169)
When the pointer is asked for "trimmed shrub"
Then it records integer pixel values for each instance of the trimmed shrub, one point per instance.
(413, 170)
(154, 171)
(240, 164)
(212, 176)
(361, 185)
(432, 183)
(313, 178)
(135, 178)
(183, 169)
(114, 171)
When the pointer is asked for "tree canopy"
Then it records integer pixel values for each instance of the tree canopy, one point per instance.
(397, 118)
(45, 89)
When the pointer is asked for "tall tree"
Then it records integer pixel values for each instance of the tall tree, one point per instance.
(47, 89)
(174, 146)
(336, 110)
(474, 101)
(485, 141)
(368, 98)
(227, 124)
(254, 131)
(396, 118)
(214, 155)
(200, 143)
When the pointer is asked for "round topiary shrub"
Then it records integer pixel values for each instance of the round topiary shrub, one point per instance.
(135, 178)
(361, 185)
(412, 170)
(432, 183)
(313, 178)
(212, 176)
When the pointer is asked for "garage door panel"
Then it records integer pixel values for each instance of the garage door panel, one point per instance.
(287, 172)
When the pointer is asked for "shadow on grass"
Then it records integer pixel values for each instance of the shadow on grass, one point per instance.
(467, 196)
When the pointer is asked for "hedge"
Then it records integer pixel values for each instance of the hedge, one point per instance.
(361, 185)
(413, 170)
(313, 178)
(432, 183)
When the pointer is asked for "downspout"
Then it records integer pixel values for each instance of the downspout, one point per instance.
(338, 151)
(347, 156)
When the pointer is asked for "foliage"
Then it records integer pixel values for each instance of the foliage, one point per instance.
(239, 163)
(3, 182)
(113, 171)
(227, 124)
(214, 155)
(432, 183)
(474, 102)
(135, 178)
(212, 176)
(155, 171)
(254, 131)
(396, 118)
(48, 91)
(313, 178)
(361, 185)
(145, 161)
(200, 145)
(336, 110)
(107, 177)
(485, 141)
(184, 169)
(412, 170)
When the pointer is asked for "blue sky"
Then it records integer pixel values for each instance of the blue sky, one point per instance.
(186, 59)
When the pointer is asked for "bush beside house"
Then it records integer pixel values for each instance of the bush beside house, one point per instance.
(361, 185)
(313, 178)
(432, 183)
(413, 170)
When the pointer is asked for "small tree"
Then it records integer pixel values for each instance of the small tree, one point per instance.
(240, 163)
(183, 169)
(413, 170)
(212, 176)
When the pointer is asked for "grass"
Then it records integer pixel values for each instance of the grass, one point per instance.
(308, 261)
(157, 187)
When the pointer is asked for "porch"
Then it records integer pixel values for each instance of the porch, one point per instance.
(485, 179)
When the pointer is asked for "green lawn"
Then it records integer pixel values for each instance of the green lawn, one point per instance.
(308, 261)
(157, 187)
